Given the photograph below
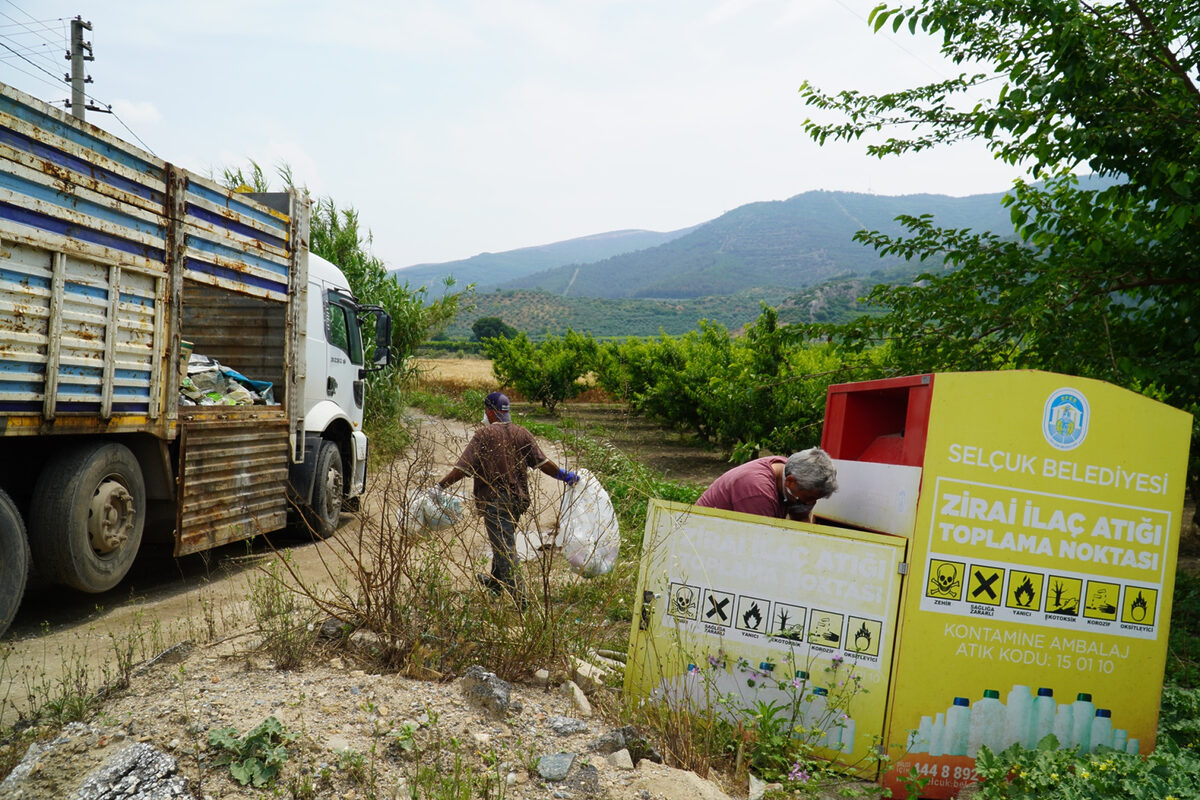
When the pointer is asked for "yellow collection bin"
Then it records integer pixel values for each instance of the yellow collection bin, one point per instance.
(1035, 518)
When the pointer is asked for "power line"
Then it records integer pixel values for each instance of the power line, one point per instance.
(30, 62)
(100, 105)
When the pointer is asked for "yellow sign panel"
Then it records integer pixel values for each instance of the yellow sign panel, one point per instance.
(1041, 561)
(763, 610)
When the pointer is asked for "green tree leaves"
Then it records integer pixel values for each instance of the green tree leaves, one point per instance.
(549, 372)
(1101, 282)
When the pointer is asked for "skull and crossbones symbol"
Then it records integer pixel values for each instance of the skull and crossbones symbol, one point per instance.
(945, 582)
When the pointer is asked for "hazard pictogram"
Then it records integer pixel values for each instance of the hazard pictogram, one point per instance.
(984, 585)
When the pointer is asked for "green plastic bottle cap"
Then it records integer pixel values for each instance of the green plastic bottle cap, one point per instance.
(992, 693)
(1084, 696)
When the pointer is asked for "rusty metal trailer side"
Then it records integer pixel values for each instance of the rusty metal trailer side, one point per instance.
(109, 258)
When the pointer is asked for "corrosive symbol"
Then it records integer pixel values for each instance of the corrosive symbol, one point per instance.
(985, 584)
(717, 608)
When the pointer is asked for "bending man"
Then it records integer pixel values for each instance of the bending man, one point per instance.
(775, 486)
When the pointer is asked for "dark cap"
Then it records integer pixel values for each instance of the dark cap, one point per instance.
(499, 403)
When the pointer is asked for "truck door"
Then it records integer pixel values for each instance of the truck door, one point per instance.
(344, 381)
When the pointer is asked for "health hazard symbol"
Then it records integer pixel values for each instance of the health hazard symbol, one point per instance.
(717, 608)
(984, 585)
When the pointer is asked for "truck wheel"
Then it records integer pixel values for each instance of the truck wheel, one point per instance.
(14, 561)
(87, 515)
(324, 513)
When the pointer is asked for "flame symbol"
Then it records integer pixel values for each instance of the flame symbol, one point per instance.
(752, 614)
(864, 634)
(1024, 593)
(1138, 609)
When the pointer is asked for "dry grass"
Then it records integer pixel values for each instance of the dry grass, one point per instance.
(457, 375)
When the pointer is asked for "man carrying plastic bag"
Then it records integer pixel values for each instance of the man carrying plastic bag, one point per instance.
(497, 458)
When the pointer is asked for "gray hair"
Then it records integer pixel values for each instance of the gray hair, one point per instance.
(813, 470)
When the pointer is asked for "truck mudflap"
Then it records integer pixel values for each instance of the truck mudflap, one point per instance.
(233, 477)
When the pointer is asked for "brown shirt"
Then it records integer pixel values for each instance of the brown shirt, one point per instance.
(497, 458)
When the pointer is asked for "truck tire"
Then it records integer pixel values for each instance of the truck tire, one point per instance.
(87, 516)
(325, 510)
(14, 561)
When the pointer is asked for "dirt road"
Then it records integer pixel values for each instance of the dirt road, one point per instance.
(64, 643)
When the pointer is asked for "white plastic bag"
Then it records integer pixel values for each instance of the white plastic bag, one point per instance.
(588, 528)
(431, 510)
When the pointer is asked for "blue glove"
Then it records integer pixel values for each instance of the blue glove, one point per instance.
(568, 477)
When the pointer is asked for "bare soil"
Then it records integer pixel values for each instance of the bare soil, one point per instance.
(65, 645)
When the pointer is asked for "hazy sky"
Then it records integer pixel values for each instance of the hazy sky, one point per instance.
(457, 127)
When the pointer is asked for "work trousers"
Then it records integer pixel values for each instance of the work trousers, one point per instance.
(500, 520)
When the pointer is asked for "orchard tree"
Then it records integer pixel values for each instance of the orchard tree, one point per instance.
(549, 372)
(1100, 281)
(491, 328)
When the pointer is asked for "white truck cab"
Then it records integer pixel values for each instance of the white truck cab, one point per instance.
(334, 470)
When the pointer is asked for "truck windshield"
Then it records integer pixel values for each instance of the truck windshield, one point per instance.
(343, 330)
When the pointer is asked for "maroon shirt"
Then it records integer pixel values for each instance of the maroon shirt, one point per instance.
(497, 458)
(751, 488)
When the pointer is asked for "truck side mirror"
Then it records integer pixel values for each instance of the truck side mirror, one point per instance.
(383, 341)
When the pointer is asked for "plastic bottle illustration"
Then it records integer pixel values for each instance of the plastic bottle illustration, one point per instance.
(958, 721)
(987, 724)
(815, 717)
(847, 743)
(920, 738)
(937, 736)
(1044, 708)
(1101, 734)
(1018, 717)
(1119, 736)
(1083, 711)
(1062, 725)
(803, 696)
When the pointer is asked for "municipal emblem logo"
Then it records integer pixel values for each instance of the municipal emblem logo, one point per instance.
(1065, 422)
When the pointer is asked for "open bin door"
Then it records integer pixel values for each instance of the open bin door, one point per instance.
(737, 605)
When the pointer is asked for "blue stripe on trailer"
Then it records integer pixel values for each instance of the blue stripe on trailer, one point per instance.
(76, 371)
(31, 281)
(97, 292)
(224, 200)
(234, 226)
(206, 268)
(45, 222)
(137, 300)
(70, 202)
(22, 387)
(132, 375)
(22, 366)
(44, 152)
(83, 139)
(28, 405)
(234, 254)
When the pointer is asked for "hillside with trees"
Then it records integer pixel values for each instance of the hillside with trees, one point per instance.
(787, 244)
(492, 269)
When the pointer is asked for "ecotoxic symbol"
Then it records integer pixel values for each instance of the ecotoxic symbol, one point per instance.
(1065, 420)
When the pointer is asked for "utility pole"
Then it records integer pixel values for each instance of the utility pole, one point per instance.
(77, 56)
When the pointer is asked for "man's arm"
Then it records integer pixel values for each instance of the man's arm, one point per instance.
(558, 473)
(453, 476)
